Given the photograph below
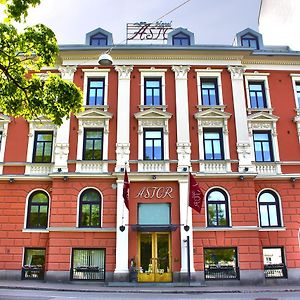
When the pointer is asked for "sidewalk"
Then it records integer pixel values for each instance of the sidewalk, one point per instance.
(141, 288)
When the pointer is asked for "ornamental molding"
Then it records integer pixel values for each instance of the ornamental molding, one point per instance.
(183, 149)
(243, 149)
(94, 113)
(41, 123)
(61, 149)
(181, 71)
(4, 120)
(236, 72)
(67, 72)
(124, 71)
(262, 121)
(123, 149)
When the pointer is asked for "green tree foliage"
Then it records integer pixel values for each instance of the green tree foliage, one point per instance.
(23, 93)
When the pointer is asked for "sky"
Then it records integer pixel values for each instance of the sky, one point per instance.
(212, 21)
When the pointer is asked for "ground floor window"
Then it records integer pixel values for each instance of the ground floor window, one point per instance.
(221, 263)
(274, 264)
(34, 264)
(88, 264)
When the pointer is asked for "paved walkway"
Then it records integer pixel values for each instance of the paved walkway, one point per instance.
(141, 288)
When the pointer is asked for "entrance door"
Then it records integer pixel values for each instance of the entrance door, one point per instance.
(154, 264)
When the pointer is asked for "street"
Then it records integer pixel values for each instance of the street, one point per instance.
(19, 294)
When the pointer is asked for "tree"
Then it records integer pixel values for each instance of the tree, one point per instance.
(23, 93)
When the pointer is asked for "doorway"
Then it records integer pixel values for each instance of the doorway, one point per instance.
(154, 263)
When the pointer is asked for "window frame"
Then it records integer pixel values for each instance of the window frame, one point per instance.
(270, 145)
(152, 79)
(80, 197)
(262, 91)
(277, 205)
(145, 130)
(95, 38)
(89, 88)
(248, 37)
(215, 203)
(28, 210)
(36, 134)
(221, 142)
(94, 139)
(182, 37)
(214, 81)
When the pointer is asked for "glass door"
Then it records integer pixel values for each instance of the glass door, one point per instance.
(154, 264)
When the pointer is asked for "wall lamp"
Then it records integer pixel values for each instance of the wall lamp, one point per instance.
(153, 177)
(242, 177)
(293, 179)
(65, 178)
(11, 180)
(105, 59)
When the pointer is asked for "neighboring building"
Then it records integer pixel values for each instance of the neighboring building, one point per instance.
(231, 113)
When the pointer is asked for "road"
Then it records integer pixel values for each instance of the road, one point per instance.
(10, 294)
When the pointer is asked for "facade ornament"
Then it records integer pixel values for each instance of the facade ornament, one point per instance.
(67, 72)
(243, 149)
(122, 149)
(184, 150)
(124, 71)
(181, 71)
(236, 72)
(62, 150)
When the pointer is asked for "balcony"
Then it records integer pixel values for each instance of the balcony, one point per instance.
(215, 166)
(153, 166)
(267, 168)
(39, 168)
(91, 166)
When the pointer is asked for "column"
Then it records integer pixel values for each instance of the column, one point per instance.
(61, 147)
(240, 113)
(122, 156)
(182, 117)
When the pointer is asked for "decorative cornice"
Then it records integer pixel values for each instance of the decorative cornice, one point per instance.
(181, 71)
(67, 72)
(124, 71)
(236, 72)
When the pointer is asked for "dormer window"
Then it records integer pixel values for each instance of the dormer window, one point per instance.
(181, 39)
(249, 40)
(98, 39)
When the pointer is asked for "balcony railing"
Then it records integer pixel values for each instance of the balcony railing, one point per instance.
(39, 168)
(215, 166)
(91, 166)
(221, 273)
(32, 272)
(153, 166)
(275, 271)
(267, 168)
(88, 273)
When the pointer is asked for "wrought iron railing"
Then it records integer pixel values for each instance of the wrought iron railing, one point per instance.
(221, 273)
(275, 271)
(32, 272)
(88, 273)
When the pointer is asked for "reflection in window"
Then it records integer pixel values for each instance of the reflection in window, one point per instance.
(95, 93)
(93, 144)
(221, 263)
(153, 91)
(257, 95)
(263, 146)
(209, 91)
(90, 209)
(217, 209)
(38, 206)
(153, 144)
(249, 40)
(34, 264)
(42, 149)
(269, 211)
(274, 263)
(213, 144)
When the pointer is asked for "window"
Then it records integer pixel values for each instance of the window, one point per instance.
(153, 144)
(257, 95)
(0, 138)
(221, 263)
(34, 264)
(298, 92)
(38, 207)
(42, 150)
(213, 144)
(98, 39)
(274, 265)
(249, 40)
(90, 209)
(93, 144)
(153, 92)
(88, 264)
(263, 146)
(95, 91)
(269, 212)
(181, 39)
(217, 209)
(209, 91)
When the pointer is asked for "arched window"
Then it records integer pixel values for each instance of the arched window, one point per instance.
(217, 209)
(38, 207)
(269, 212)
(90, 209)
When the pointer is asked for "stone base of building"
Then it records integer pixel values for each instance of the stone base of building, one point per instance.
(10, 275)
(120, 277)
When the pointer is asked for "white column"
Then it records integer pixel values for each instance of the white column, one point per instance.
(182, 117)
(61, 147)
(123, 145)
(241, 123)
(186, 219)
(122, 155)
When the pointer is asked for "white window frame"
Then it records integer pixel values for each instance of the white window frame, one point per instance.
(95, 73)
(254, 77)
(4, 120)
(153, 73)
(78, 203)
(213, 74)
(295, 79)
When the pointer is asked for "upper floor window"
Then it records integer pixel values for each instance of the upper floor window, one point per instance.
(249, 40)
(181, 39)
(98, 39)
(38, 207)
(90, 209)
(153, 91)
(42, 150)
(298, 92)
(213, 144)
(217, 209)
(95, 91)
(263, 146)
(257, 94)
(153, 144)
(0, 139)
(93, 144)
(269, 211)
(209, 91)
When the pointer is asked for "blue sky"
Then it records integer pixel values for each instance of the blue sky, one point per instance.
(212, 21)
